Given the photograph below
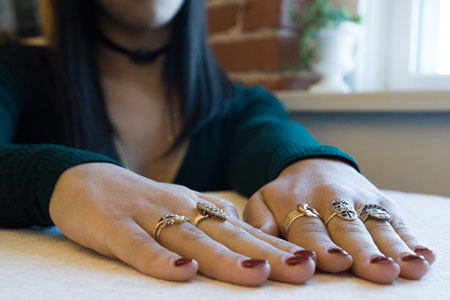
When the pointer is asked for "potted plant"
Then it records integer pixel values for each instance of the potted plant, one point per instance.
(328, 36)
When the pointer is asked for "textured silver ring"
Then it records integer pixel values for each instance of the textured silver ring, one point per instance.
(342, 209)
(207, 210)
(373, 212)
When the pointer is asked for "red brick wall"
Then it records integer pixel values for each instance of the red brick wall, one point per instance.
(255, 42)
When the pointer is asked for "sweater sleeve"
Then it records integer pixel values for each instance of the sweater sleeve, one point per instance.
(264, 141)
(28, 173)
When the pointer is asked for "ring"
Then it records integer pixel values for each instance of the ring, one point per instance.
(207, 210)
(166, 220)
(302, 210)
(373, 212)
(342, 209)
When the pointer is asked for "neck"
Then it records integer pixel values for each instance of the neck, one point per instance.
(149, 39)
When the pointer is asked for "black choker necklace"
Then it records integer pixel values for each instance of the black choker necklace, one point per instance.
(136, 56)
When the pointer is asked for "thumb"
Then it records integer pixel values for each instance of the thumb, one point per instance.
(257, 214)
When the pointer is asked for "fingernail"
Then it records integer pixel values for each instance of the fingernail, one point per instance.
(182, 261)
(413, 258)
(381, 260)
(422, 250)
(296, 260)
(337, 251)
(253, 263)
(305, 253)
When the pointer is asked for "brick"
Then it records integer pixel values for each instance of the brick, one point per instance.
(270, 53)
(223, 17)
(281, 83)
(269, 13)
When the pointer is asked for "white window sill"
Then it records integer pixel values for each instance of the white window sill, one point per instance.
(398, 102)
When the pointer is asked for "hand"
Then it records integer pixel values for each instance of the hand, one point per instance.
(114, 211)
(343, 244)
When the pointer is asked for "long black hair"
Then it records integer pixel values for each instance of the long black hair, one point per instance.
(190, 69)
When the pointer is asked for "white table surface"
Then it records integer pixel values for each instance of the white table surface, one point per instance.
(43, 264)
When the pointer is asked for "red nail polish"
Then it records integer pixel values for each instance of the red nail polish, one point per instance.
(381, 260)
(182, 261)
(337, 251)
(296, 260)
(305, 253)
(422, 250)
(253, 263)
(413, 258)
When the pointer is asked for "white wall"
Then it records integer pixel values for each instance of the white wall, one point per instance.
(404, 151)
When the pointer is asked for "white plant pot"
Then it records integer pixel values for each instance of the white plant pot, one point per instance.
(336, 57)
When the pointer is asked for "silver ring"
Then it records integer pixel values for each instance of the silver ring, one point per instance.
(207, 210)
(374, 212)
(342, 209)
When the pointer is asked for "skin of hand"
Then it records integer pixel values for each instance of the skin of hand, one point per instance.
(113, 211)
(377, 251)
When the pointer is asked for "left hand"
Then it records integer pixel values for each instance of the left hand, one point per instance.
(378, 251)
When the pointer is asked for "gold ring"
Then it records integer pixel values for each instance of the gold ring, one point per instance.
(207, 210)
(342, 209)
(373, 212)
(302, 210)
(166, 220)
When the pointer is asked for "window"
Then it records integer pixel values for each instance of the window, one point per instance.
(433, 47)
(406, 45)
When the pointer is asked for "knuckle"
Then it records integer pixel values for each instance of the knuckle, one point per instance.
(236, 234)
(402, 229)
(191, 235)
(399, 225)
(329, 189)
(379, 226)
(228, 207)
(308, 227)
(346, 226)
(290, 198)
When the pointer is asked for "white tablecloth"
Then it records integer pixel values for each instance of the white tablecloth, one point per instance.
(43, 264)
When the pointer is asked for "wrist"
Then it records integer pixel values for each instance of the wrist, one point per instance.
(315, 164)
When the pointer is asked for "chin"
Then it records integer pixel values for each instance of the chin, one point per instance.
(141, 14)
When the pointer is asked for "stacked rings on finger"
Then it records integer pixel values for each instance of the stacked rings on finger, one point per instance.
(302, 210)
(373, 212)
(167, 220)
(342, 209)
(207, 210)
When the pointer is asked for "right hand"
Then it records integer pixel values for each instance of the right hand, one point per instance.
(113, 211)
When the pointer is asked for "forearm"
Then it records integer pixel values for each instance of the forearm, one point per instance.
(28, 174)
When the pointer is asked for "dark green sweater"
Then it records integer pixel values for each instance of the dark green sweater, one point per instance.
(243, 151)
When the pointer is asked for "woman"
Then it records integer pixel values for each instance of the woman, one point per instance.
(177, 124)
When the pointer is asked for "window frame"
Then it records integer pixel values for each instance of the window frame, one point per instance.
(383, 65)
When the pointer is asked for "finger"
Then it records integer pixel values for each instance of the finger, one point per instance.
(311, 233)
(134, 246)
(274, 241)
(285, 266)
(214, 259)
(406, 235)
(412, 266)
(368, 262)
(257, 214)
